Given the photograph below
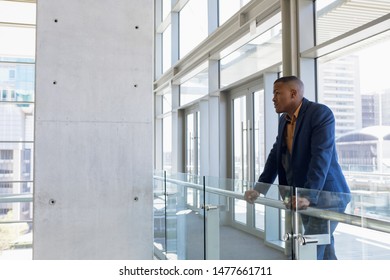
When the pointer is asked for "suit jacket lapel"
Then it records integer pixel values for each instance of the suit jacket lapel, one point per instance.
(299, 121)
(282, 127)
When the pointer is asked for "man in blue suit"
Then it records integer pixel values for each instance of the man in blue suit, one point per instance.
(304, 157)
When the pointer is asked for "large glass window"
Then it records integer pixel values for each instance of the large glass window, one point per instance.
(17, 74)
(343, 59)
(193, 25)
(227, 8)
(196, 86)
(354, 83)
(263, 51)
(337, 17)
(167, 49)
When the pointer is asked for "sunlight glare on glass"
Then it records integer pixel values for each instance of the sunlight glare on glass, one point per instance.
(374, 63)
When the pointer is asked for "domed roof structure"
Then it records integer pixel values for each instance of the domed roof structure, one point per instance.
(371, 133)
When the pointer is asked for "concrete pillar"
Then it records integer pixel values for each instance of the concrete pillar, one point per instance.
(290, 42)
(94, 130)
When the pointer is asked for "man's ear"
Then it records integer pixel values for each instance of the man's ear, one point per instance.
(293, 93)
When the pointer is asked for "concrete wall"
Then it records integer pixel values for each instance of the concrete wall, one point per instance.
(93, 130)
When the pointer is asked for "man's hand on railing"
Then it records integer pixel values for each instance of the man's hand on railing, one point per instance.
(300, 203)
(251, 195)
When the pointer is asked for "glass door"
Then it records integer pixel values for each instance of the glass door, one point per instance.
(241, 156)
(248, 149)
(192, 143)
(192, 155)
(258, 149)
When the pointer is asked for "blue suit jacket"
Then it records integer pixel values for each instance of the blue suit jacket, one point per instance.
(313, 158)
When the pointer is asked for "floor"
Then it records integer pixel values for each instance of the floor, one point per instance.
(233, 243)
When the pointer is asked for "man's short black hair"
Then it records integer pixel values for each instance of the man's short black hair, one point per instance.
(288, 79)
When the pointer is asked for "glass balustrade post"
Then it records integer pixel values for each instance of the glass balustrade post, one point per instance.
(211, 225)
(312, 232)
(273, 220)
(165, 212)
(160, 214)
(204, 219)
(212, 233)
(182, 243)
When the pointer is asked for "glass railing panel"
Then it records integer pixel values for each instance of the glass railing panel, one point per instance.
(159, 214)
(277, 216)
(240, 211)
(292, 227)
(184, 230)
(230, 238)
(16, 226)
(189, 218)
(213, 206)
(342, 226)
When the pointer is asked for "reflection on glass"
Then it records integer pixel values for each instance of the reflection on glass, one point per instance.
(371, 204)
(335, 18)
(194, 88)
(360, 243)
(193, 25)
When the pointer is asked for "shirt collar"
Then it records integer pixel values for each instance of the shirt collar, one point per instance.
(296, 113)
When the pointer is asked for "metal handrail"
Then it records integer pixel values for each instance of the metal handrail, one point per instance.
(16, 222)
(369, 223)
(11, 198)
(260, 200)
